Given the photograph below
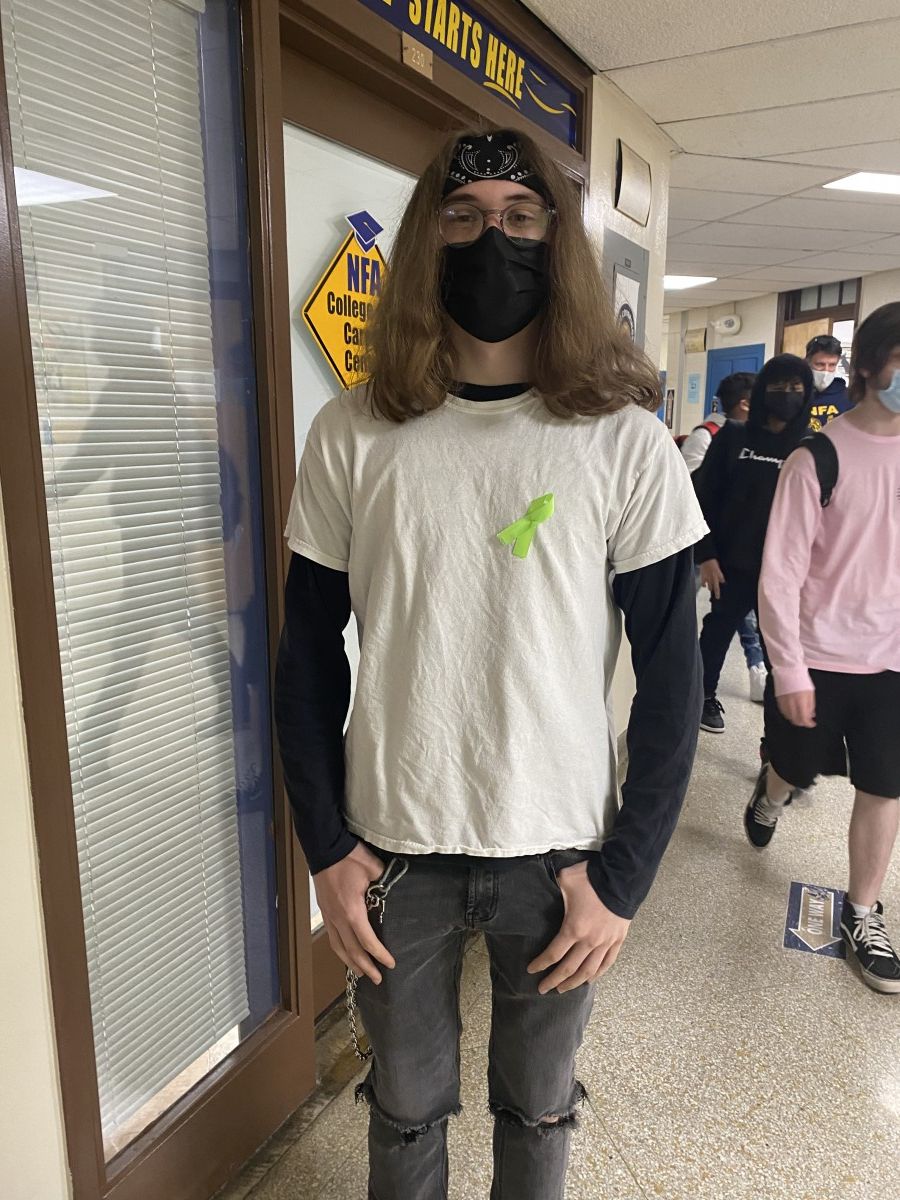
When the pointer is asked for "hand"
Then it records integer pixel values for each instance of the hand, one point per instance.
(589, 941)
(799, 708)
(711, 576)
(341, 892)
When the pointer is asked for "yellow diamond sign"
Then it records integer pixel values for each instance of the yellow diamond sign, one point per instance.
(341, 303)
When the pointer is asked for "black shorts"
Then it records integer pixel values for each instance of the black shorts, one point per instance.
(856, 733)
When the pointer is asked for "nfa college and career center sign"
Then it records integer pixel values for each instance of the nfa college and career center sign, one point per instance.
(341, 302)
(460, 35)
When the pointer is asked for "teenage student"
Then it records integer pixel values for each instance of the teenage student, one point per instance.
(490, 506)
(733, 400)
(830, 612)
(735, 486)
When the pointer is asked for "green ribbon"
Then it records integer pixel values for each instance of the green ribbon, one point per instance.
(522, 531)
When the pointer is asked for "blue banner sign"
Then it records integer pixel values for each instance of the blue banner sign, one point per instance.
(460, 35)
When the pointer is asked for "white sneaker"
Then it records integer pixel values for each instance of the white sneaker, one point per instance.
(758, 677)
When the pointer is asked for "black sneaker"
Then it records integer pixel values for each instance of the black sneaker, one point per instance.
(759, 817)
(868, 941)
(712, 718)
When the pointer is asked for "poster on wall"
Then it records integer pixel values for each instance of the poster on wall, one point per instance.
(342, 301)
(627, 303)
(626, 271)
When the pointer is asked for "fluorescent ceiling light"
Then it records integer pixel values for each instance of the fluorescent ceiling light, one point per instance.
(33, 187)
(868, 181)
(677, 283)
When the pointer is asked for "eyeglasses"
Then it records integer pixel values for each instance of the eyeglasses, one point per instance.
(461, 224)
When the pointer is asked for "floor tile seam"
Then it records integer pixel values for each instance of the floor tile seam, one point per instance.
(607, 1132)
(292, 1143)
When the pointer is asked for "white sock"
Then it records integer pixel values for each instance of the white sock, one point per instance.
(861, 910)
(777, 803)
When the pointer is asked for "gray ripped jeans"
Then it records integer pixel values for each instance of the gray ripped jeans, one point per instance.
(414, 1026)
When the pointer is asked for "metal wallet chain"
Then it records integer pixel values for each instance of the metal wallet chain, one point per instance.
(376, 897)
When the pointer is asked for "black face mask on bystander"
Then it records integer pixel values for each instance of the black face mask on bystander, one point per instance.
(783, 404)
(495, 286)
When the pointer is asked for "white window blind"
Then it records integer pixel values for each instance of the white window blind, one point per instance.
(105, 95)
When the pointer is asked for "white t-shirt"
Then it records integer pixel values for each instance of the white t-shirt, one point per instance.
(482, 721)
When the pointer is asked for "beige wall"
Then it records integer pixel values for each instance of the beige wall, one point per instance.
(879, 289)
(759, 317)
(614, 117)
(32, 1149)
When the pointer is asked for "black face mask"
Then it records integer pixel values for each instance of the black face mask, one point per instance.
(494, 287)
(784, 405)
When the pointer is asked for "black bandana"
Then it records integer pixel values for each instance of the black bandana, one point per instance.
(493, 156)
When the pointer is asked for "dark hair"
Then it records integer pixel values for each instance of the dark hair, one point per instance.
(875, 340)
(824, 344)
(584, 364)
(734, 388)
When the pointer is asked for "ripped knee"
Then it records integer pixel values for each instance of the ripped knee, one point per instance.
(409, 1133)
(547, 1125)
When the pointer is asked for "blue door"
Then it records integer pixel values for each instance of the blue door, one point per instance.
(720, 363)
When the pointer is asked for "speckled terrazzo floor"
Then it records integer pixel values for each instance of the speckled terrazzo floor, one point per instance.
(720, 1065)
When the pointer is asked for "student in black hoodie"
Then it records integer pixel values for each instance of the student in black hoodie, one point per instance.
(735, 486)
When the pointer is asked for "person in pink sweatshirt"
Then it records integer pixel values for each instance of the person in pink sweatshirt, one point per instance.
(829, 608)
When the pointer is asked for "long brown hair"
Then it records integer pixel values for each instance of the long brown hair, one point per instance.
(876, 339)
(584, 364)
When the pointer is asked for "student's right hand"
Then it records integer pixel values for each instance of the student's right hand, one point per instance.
(711, 576)
(341, 892)
(799, 708)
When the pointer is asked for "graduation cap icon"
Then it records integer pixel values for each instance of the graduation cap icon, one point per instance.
(365, 227)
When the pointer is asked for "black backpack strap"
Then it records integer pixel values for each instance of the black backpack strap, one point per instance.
(825, 457)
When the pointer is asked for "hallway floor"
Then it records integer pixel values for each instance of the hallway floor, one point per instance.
(720, 1065)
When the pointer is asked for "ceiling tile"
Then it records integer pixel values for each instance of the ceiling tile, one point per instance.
(826, 214)
(619, 33)
(790, 277)
(772, 133)
(690, 204)
(831, 195)
(765, 76)
(790, 238)
(758, 256)
(871, 156)
(853, 263)
(756, 176)
(678, 225)
(889, 245)
(687, 266)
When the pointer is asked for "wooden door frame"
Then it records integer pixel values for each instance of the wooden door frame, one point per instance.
(204, 1139)
(840, 312)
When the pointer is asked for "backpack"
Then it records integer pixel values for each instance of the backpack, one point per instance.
(825, 457)
(711, 427)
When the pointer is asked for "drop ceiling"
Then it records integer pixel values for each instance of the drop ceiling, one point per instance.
(764, 104)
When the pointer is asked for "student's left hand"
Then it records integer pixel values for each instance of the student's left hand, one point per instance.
(589, 941)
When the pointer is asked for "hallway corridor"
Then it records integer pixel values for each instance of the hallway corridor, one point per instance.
(720, 1066)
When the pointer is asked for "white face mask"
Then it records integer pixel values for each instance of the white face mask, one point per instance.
(890, 396)
(824, 379)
